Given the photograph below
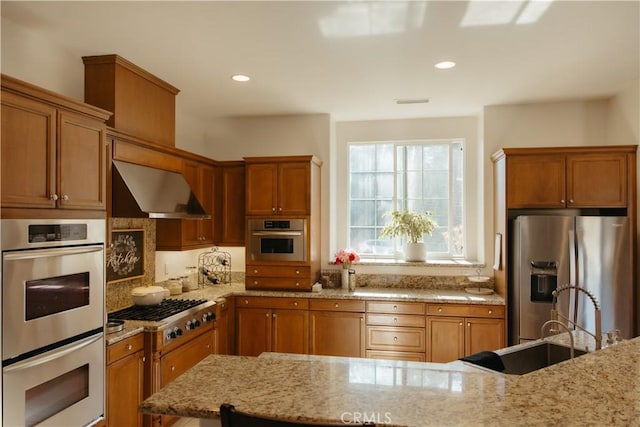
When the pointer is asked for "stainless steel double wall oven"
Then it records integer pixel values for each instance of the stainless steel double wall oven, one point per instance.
(53, 312)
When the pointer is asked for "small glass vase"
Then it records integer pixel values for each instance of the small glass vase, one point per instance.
(345, 279)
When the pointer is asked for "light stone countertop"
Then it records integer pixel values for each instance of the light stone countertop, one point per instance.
(598, 389)
(219, 292)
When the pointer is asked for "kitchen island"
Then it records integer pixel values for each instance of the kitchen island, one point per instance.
(600, 388)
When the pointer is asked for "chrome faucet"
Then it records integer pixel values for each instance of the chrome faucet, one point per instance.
(598, 318)
(559, 323)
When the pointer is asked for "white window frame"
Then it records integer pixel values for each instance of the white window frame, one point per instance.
(419, 142)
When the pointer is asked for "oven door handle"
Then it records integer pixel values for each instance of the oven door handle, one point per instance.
(277, 233)
(56, 354)
(47, 253)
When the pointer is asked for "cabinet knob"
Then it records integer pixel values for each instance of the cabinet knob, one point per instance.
(439, 309)
(280, 209)
(336, 305)
(570, 200)
(266, 315)
(395, 338)
(273, 209)
(246, 301)
(144, 359)
(395, 319)
(129, 347)
(468, 324)
(255, 270)
(65, 197)
(297, 271)
(53, 197)
(173, 368)
(255, 282)
(395, 307)
(460, 324)
(490, 311)
(562, 201)
(297, 283)
(273, 315)
(295, 303)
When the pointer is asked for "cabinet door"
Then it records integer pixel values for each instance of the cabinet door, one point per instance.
(261, 189)
(446, 339)
(336, 333)
(483, 335)
(294, 187)
(207, 177)
(28, 147)
(82, 173)
(222, 329)
(232, 205)
(536, 181)
(290, 331)
(597, 180)
(253, 331)
(125, 391)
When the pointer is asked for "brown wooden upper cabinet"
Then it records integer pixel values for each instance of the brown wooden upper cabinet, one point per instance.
(279, 185)
(53, 150)
(231, 206)
(566, 178)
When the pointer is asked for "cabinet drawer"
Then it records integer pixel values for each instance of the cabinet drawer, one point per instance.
(272, 302)
(125, 347)
(395, 355)
(278, 283)
(336, 305)
(278, 271)
(395, 307)
(396, 320)
(465, 310)
(397, 339)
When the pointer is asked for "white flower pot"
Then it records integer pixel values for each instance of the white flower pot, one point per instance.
(416, 252)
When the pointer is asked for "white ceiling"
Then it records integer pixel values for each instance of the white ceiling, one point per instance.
(353, 59)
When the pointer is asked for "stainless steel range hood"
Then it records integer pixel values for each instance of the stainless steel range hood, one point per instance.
(141, 191)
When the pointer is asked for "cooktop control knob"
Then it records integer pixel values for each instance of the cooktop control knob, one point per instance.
(190, 325)
(178, 331)
(208, 317)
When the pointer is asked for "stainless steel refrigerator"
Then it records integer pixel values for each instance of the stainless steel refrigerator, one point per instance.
(592, 252)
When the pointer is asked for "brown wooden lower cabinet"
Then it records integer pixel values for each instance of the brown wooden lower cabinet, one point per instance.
(125, 370)
(452, 337)
(222, 329)
(337, 327)
(271, 324)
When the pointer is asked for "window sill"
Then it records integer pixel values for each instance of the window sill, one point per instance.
(457, 263)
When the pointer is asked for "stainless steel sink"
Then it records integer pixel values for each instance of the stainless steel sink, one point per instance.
(534, 356)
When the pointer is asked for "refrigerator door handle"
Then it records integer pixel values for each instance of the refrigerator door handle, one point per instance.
(573, 277)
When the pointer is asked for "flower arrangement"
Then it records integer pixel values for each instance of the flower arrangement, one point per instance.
(410, 224)
(346, 257)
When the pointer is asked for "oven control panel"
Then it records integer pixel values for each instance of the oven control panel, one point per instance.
(188, 324)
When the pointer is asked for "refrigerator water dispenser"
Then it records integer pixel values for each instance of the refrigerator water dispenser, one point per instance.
(544, 280)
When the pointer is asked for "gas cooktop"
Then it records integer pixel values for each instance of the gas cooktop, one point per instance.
(165, 309)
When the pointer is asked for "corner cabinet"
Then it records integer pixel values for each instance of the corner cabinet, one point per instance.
(53, 150)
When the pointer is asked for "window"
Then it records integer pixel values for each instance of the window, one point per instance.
(418, 176)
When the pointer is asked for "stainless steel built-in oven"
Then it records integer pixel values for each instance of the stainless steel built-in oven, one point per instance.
(277, 239)
(53, 313)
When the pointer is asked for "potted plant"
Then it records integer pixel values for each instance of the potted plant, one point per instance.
(413, 226)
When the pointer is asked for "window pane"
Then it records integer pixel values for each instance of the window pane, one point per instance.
(428, 177)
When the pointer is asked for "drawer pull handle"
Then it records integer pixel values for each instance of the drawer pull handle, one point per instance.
(297, 283)
(173, 368)
(255, 282)
(395, 307)
(297, 271)
(255, 270)
(129, 347)
(336, 306)
(295, 303)
(395, 338)
(490, 311)
(395, 319)
(246, 301)
(439, 309)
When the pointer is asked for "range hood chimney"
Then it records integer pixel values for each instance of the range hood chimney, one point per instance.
(142, 191)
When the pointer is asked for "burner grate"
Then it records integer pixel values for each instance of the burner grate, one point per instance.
(166, 308)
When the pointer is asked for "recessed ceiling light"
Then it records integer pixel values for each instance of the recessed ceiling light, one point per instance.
(240, 78)
(445, 65)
